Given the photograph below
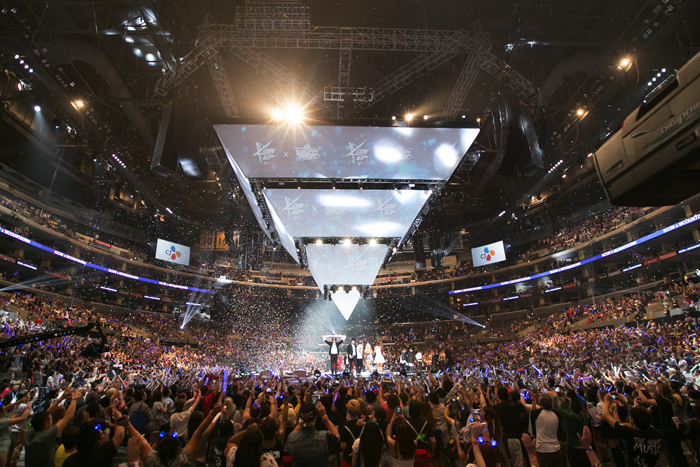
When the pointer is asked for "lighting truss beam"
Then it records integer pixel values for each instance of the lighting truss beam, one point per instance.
(223, 86)
(505, 74)
(405, 75)
(464, 84)
(309, 96)
(338, 94)
(273, 16)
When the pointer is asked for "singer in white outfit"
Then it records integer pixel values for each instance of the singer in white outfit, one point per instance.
(379, 357)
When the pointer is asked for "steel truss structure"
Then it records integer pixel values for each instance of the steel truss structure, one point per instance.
(285, 26)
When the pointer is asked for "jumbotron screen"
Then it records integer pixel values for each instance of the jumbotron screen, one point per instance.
(302, 151)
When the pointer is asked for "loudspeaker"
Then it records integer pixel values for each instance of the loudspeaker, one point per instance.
(178, 140)
(518, 150)
(164, 160)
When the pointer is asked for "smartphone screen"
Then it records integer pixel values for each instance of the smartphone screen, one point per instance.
(398, 411)
(275, 454)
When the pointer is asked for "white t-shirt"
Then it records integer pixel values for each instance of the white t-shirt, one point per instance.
(266, 460)
(547, 424)
(334, 349)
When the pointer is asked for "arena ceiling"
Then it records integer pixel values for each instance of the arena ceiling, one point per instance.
(112, 55)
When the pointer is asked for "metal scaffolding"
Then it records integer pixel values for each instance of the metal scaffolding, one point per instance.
(223, 87)
(405, 75)
(283, 25)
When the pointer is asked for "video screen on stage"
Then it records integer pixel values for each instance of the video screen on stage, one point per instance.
(303, 151)
(345, 213)
(345, 264)
(173, 252)
(488, 254)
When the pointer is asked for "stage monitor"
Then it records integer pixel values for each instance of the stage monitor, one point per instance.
(488, 254)
(344, 152)
(173, 252)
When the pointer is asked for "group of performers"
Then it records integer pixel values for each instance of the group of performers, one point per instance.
(358, 357)
(355, 357)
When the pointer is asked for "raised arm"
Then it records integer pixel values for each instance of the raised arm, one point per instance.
(63, 423)
(193, 445)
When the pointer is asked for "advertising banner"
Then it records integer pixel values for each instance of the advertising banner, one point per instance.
(173, 252)
(488, 254)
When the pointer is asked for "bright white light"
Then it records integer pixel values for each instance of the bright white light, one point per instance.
(354, 289)
(340, 200)
(37, 108)
(78, 104)
(658, 75)
(31, 71)
(319, 242)
(408, 117)
(393, 117)
(382, 229)
(277, 114)
(563, 176)
(150, 57)
(387, 153)
(129, 39)
(224, 280)
(16, 56)
(425, 117)
(169, 211)
(447, 155)
(663, 70)
(294, 115)
(373, 242)
(579, 112)
(501, 214)
(138, 52)
(347, 242)
(624, 62)
(649, 83)
(340, 289)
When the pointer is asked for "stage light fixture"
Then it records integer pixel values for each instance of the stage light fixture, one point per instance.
(340, 289)
(580, 112)
(347, 242)
(277, 114)
(373, 242)
(408, 117)
(319, 242)
(78, 104)
(354, 289)
(393, 117)
(624, 63)
(16, 56)
(294, 115)
(478, 120)
(425, 117)
(37, 108)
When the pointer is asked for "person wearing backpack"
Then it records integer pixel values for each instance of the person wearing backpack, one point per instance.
(350, 430)
(139, 413)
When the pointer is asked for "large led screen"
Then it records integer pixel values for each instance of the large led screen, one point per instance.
(173, 252)
(345, 213)
(488, 254)
(248, 192)
(301, 151)
(345, 264)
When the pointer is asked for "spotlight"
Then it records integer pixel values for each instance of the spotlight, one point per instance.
(393, 117)
(31, 71)
(37, 108)
(319, 242)
(464, 116)
(425, 117)
(408, 117)
(78, 104)
(16, 56)
(354, 289)
(624, 63)
(663, 70)
(277, 114)
(478, 120)
(347, 242)
(21, 62)
(294, 115)
(373, 242)
(563, 176)
(340, 289)
(579, 112)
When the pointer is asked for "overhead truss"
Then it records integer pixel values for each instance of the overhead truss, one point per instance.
(286, 26)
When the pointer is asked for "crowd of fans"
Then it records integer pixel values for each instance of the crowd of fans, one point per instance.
(582, 396)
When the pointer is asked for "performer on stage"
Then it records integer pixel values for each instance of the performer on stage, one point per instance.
(351, 354)
(368, 356)
(379, 357)
(333, 353)
(358, 358)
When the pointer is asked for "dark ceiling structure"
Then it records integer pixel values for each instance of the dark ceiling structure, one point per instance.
(102, 72)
